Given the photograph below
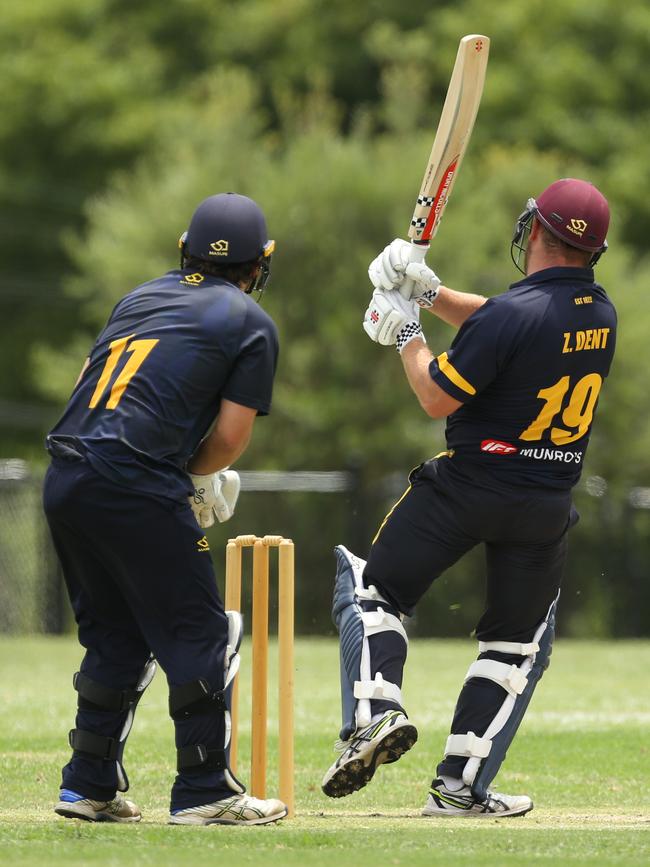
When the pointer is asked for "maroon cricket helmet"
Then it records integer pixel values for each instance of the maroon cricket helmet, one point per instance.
(576, 212)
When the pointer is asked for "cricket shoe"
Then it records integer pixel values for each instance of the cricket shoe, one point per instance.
(380, 743)
(74, 806)
(235, 810)
(444, 802)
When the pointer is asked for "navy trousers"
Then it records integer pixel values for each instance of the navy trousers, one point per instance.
(445, 513)
(139, 583)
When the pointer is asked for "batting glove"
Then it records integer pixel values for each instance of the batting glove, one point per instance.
(386, 271)
(422, 283)
(401, 266)
(391, 320)
(215, 496)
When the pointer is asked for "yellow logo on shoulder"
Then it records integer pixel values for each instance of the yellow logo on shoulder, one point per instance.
(203, 545)
(219, 248)
(193, 279)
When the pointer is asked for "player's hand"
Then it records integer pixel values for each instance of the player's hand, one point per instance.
(391, 320)
(386, 271)
(383, 320)
(401, 266)
(422, 283)
(215, 496)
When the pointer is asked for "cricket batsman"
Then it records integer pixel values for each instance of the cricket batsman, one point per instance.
(519, 388)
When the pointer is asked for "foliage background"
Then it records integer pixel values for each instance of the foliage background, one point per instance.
(117, 118)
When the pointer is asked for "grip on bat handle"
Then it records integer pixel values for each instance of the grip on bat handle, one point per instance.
(418, 251)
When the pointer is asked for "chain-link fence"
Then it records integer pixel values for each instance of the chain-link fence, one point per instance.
(606, 592)
(317, 509)
(31, 593)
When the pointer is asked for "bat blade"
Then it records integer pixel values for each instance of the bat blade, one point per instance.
(452, 136)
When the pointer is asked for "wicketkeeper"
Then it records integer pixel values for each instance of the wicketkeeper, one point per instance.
(519, 387)
(164, 404)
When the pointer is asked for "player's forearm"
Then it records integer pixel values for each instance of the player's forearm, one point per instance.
(455, 307)
(227, 440)
(416, 358)
(215, 453)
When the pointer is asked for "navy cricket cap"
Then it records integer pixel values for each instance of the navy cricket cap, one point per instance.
(227, 228)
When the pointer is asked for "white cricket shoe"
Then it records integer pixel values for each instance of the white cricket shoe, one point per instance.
(379, 743)
(74, 806)
(444, 802)
(236, 810)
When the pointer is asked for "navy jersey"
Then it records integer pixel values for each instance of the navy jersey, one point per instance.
(528, 366)
(171, 350)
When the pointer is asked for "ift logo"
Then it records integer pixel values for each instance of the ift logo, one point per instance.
(219, 248)
(577, 227)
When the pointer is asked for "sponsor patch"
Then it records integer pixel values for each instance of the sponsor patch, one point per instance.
(552, 455)
(496, 447)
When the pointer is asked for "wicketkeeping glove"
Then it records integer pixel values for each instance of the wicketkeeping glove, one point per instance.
(392, 320)
(215, 496)
(401, 266)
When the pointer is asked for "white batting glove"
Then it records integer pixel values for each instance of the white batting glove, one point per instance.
(391, 320)
(382, 321)
(401, 266)
(422, 283)
(386, 271)
(215, 496)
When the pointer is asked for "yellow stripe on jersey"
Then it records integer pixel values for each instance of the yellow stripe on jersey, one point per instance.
(453, 375)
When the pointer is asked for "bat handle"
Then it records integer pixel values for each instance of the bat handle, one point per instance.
(419, 251)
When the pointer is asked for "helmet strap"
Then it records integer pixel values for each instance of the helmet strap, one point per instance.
(595, 258)
(258, 283)
(521, 235)
(181, 247)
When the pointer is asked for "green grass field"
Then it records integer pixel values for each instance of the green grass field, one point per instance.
(583, 754)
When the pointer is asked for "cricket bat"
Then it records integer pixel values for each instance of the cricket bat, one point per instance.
(452, 137)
